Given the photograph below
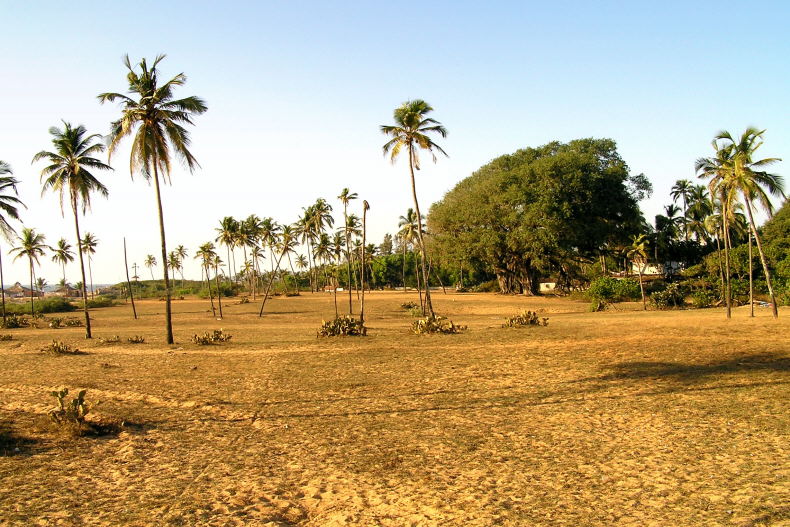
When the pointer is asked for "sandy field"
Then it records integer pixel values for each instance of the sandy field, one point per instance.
(624, 418)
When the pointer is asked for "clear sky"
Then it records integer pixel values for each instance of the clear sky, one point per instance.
(296, 91)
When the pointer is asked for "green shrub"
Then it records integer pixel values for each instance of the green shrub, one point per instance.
(101, 301)
(409, 305)
(58, 347)
(69, 322)
(69, 413)
(607, 289)
(430, 324)
(344, 325)
(415, 311)
(670, 297)
(218, 335)
(16, 321)
(527, 318)
(703, 298)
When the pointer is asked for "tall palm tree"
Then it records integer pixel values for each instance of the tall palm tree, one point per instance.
(150, 263)
(31, 246)
(206, 255)
(637, 253)
(9, 210)
(182, 253)
(63, 255)
(410, 132)
(754, 185)
(159, 120)
(69, 174)
(89, 244)
(41, 283)
(345, 198)
(407, 232)
(365, 209)
(174, 262)
(682, 190)
(226, 235)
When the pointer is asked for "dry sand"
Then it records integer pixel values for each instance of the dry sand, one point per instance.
(615, 418)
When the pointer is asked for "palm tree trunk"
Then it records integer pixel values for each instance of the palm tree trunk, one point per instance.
(417, 278)
(726, 232)
(219, 291)
(82, 268)
(721, 267)
(309, 266)
(348, 257)
(32, 313)
(751, 278)
(204, 269)
(269, 286)
(774, 308)
(642, 288)
(293, 273)
(230, 272)
(90, 272)
(428, 303)
(362, 276)
(403, 269)
(2, 287)
(128, 282)
(168, 308)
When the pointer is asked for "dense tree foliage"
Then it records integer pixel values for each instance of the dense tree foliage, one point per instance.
(541, 212)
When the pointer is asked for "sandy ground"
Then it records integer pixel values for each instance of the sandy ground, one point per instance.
(614, 418)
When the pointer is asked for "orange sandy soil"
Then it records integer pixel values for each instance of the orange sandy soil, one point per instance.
(623, 417)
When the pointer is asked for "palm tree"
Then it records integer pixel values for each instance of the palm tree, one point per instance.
(150, 263)
(159, 119)
(411, 131)
(174, 262)
(206, 254)
(63, 255)
(181, 251)
(345, 197)
(32, 246)
(365, 209)
(637, 253)
(41, 283)
(682, 190)
(752, 183)
(217, 263)
(89, 244)
(8, 210)
(407, 232)
(288, 242)
(226, 235)
(69, 174)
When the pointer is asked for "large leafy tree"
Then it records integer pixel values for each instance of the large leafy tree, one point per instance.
(32, 246)
(69, 174)
(411, 133)
(541, 212)
(157, 120)
(9, 210)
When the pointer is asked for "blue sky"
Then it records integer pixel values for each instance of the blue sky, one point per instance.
(296, 91)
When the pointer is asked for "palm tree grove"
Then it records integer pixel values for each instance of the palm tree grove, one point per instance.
(556, 294)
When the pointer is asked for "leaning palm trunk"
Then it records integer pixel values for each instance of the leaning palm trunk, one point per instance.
(219, 291)
(362, 270)
(727, 289)
(403, 268)
(32, 291)
(751, 277)
(721, 267)
(428, 304)
(168, 312)
(348, 257)
(82, 267)
(417, 278)
(269, 286)
(642, 287)
(2, 287)
(210, 295)
(774, 309)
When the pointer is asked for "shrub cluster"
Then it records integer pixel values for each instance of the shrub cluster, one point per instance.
(430, 324)
(58, 347)
(68, 322)
(218, 335)
(344, 325)
(136, 339)
(527, 318)
(109, 340)
(672, 296)
(16, 321)
(408, 306)
(6, 337)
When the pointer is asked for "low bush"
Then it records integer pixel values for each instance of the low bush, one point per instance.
(492, 286)
(700, 299)
(216, 336)
(672, 296)
(67, 322)
(136, 339)
(429, 324)
(344, 325)
(72, 412)
(109, 340)
(6, 337)
(58, 347)
(16, 321)
(101, 301)
(409, 305)
(527, 318)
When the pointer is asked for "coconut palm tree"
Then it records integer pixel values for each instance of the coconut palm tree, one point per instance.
(182, 253)
(89, 244)
(69, 174)
(753, 184)
(174, 262)
(407, 232)
(345, 198)
(150, 263)
(217, 263)
(63, 255)
(226, 235)
(682, 190)
(159, 119)
(410, 132)
(637, 253)
(206, 255)
(41, 283)
(9, 210)
(365, 209)
(33, 247)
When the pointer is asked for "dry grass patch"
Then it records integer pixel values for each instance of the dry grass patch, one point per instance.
(615, 418)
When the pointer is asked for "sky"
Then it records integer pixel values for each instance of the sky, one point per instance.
(297, 90)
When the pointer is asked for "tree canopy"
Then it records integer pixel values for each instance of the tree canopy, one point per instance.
(541, 211)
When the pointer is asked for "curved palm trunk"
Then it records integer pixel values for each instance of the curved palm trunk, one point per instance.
(168, 308)
(309, 267)
(362, 271)
(417, 278)
(82, 269)
(230, 272)
(774, 309)
(642, 288)
(32, 313)
(128, 282)
(293, 273)
(271, 281)
(2, 287)
(208, 283)
(403, 269)
(726, 232)
(428, 303)
(751, 278)
(219, 291)
(90, 272)
(721, 267)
